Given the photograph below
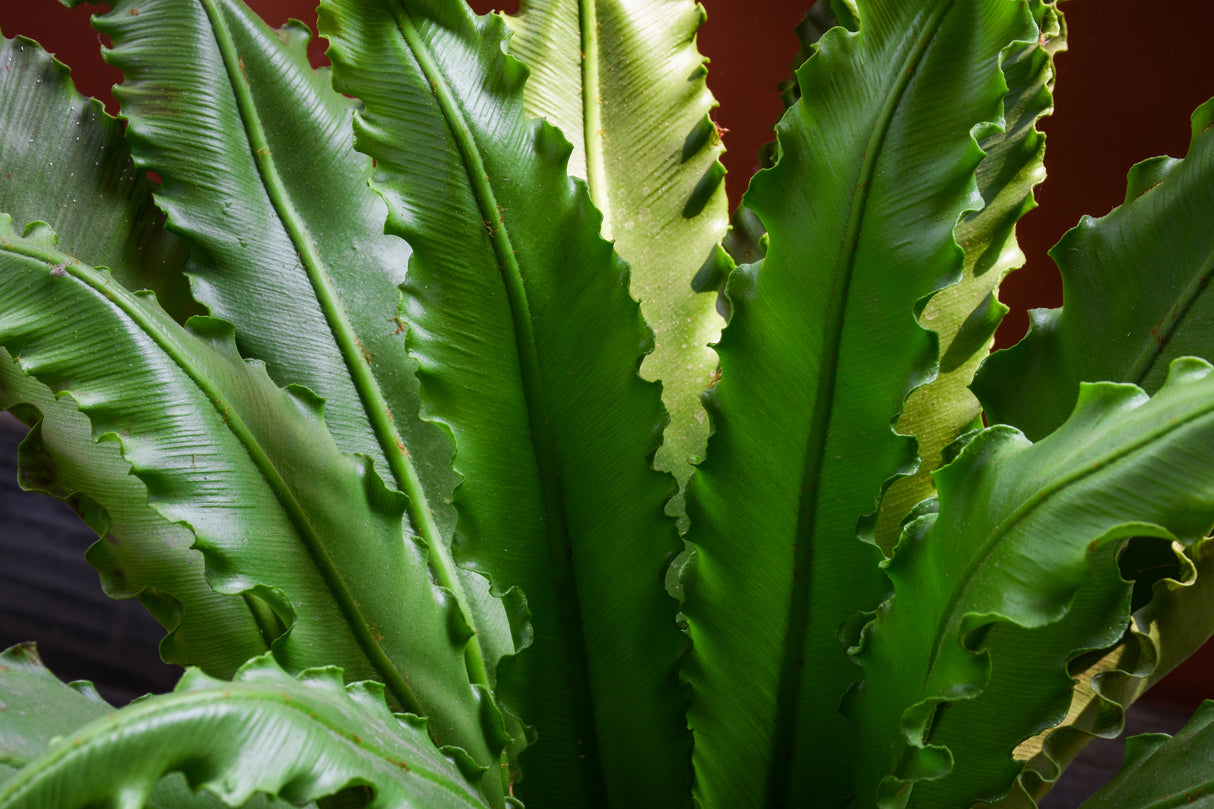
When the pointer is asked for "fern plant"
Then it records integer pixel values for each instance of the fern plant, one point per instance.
(349, 374)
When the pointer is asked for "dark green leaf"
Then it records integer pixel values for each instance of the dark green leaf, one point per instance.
(528, 346)
(276, 508)
(817, 361)
(1019, 530)
(1156, 251)
(1160, 772)
(51, 132)
(256, 152)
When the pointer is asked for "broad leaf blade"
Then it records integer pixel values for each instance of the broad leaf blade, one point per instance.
(528, 346)
(66, 163)
(966, 314)
(816, 363)
(39, 710)
(1157, 251)
(1018, 530)
(265, 732)
(288, 242)
(625, 84)
(140, 553)
(276, 508)
(1030, 687)
(1170, 627)
(51, 132)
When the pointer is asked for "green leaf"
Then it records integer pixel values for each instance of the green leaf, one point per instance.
(276, 508)
(1160, 772)
(1030, 688)
(625, 83)
(966, 314)
(39, 711)
(1178, 619)
(289, 244)
(52, 132)
(1157, 251)
(817, 361)
(140, 553)
(528, 346)
(37, 707)
(66, 163)
(1019, 529)
(265, 732)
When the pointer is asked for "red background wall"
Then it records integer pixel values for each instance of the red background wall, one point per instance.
(1124, 93)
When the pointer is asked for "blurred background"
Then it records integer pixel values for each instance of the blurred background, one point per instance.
(1125, 88)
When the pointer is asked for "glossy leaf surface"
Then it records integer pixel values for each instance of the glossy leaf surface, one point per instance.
(108, 212)
(41, 711)
(818, 358)
(265, 732)
(205, 430)
(1176, 621)
(289, 244)
(528, 345)
(1019, 528)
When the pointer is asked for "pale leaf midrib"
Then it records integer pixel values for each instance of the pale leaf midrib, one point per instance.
(119, 298)
(375, 406)
(151, 712)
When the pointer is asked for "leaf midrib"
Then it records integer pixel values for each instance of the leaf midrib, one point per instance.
(130, 307)
(375, 405)
(232, 696)
(1038, 499)
(1161, 335)
(592, 112)
(555, 517)
(798, 622)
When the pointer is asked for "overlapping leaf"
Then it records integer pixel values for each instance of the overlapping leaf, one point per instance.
(1019, 531)
(1173, 624)
(625, 84)
(39, 711)
(817, 361)
(276, 508)
(50, 132)
(1157, 251)
(528, 346)
(255, 150)
(966, 314)
(265, 732)
(141, 553)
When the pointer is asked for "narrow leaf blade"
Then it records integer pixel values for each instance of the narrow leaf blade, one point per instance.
(626, 85)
